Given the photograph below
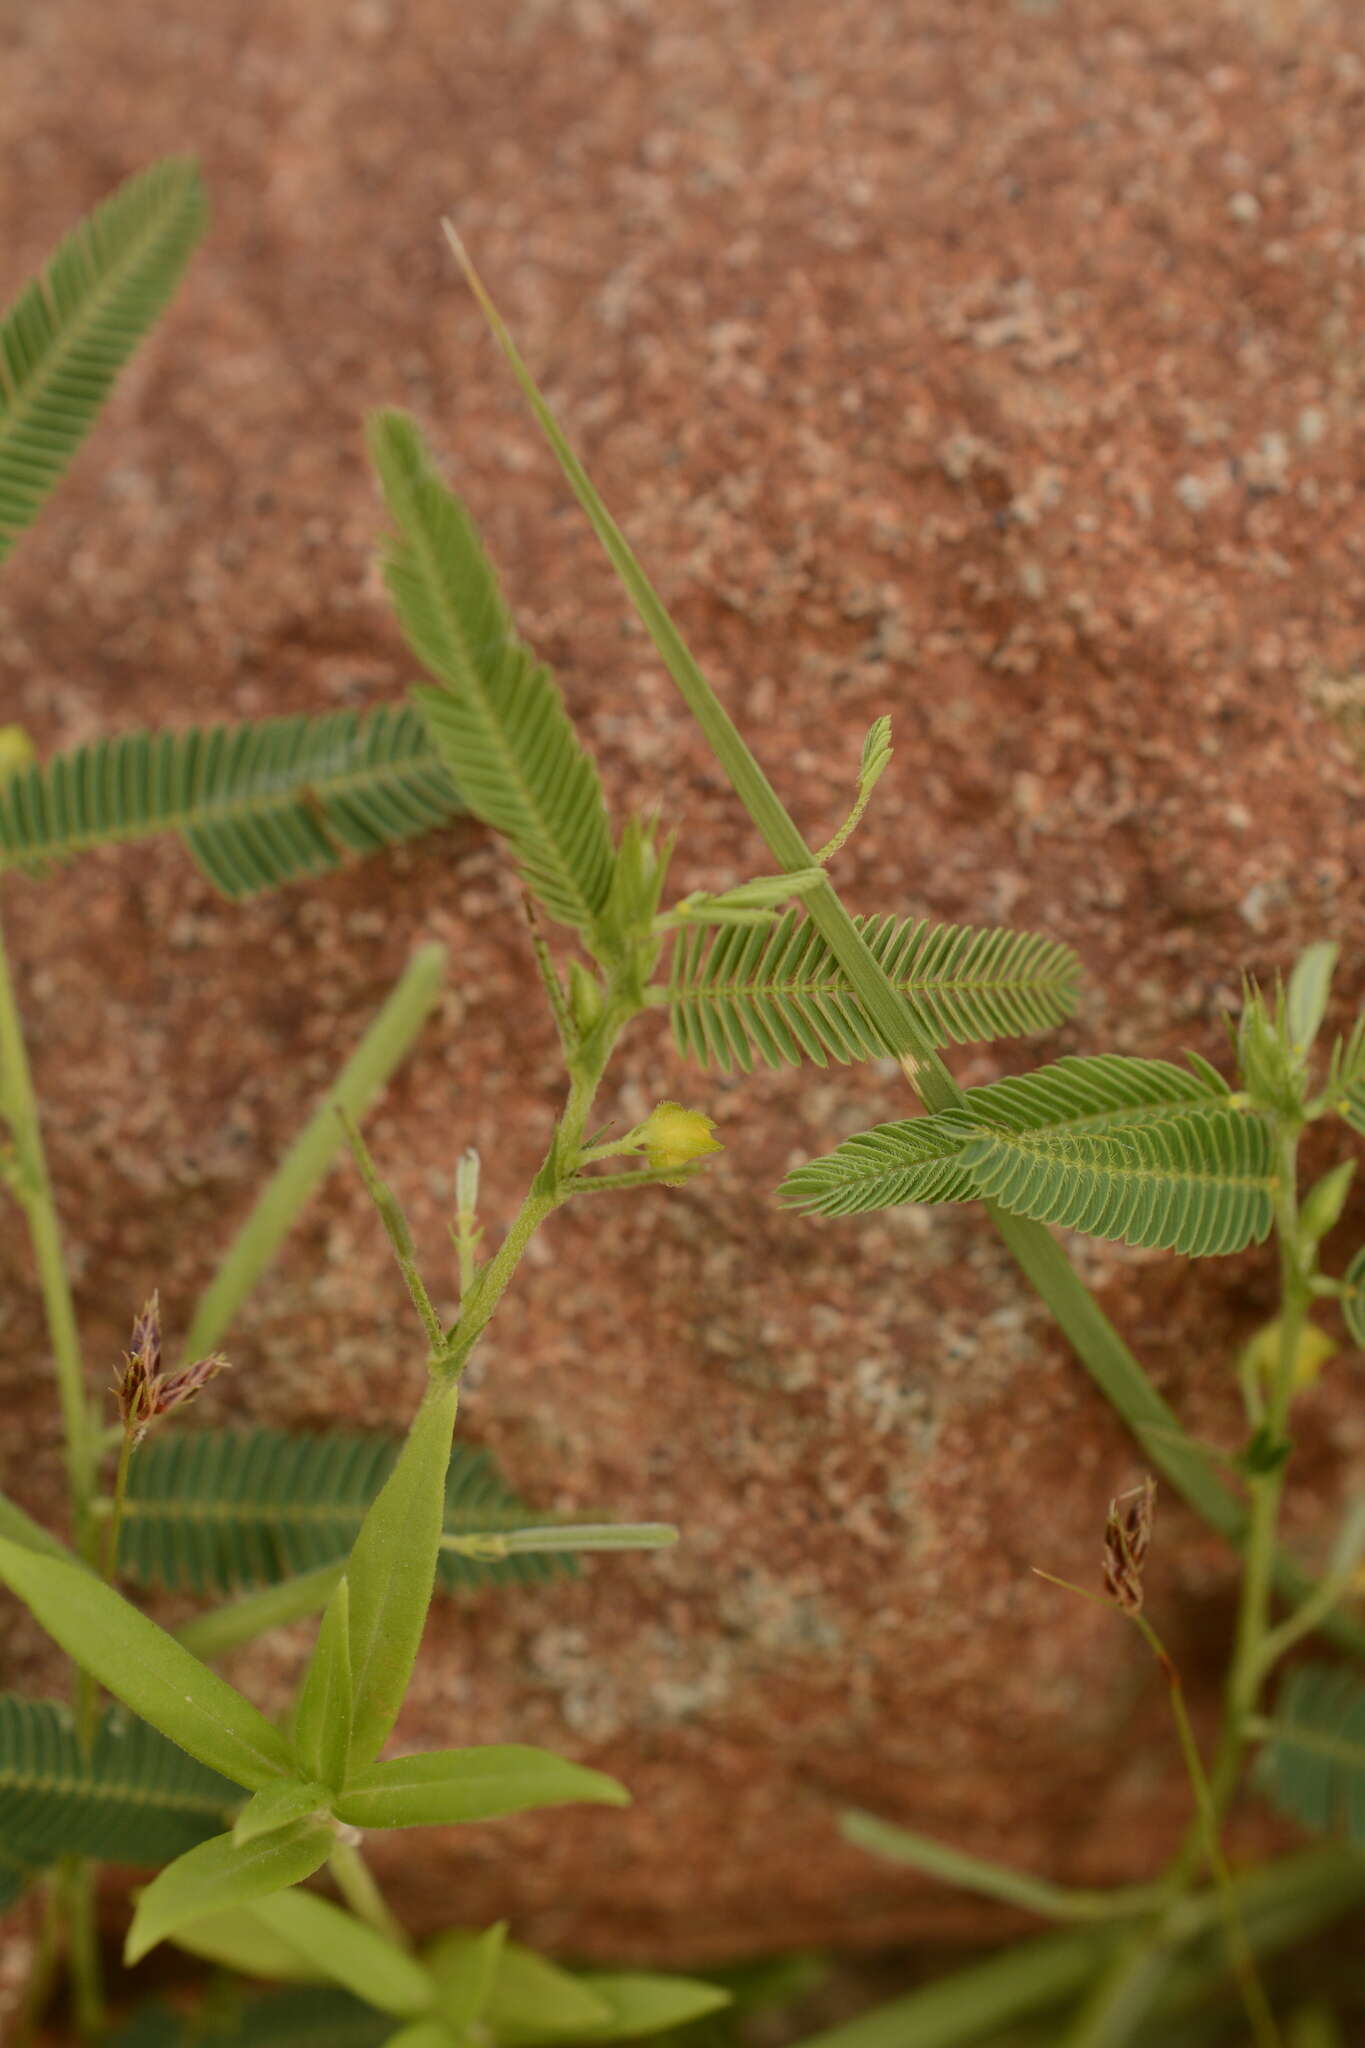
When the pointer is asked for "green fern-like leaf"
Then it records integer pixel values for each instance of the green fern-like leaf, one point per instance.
(1199, 1184)
(923, 1158)
(1313, 1764)
(1130, 1149)
(497, 719)
(69, 333)
(223, 1511)
(135, 1799)
(258, 805)
(777, 993)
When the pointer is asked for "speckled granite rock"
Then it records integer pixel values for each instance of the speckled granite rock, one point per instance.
(997, 366)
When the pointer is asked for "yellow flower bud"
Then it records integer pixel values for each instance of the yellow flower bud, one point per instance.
(16, 750)
(1312, 1352)
(673, 1136)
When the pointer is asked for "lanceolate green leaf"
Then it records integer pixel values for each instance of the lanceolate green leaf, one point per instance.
(218, 1511)
(69, 333)
(463, 1967)
(643, 2004)
(135, 1798)
(322, 1712)
(1313, 1765)
(257, 805)
(534, 2000)
(146, 1668)
(278, 1805)
(218, 1875)
(497, 719)
(777, 992)
(386, 1041)
(924, 1158)
(392, 1572)
(335, 1944)
(450, 1785)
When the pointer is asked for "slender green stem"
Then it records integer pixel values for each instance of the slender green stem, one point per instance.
(1125, 1995)
(33, 1187)
(242, 1620)
(967, 2007)
(1334, 1586)
(76, 1880)
(355, 1881)
(997, 1880)
(115, 1521)
(552, 1186)
(1257, 2005)
(642, 1177)
(549, 980)
(386, 1042)
(43, 1972)
(396, 1228)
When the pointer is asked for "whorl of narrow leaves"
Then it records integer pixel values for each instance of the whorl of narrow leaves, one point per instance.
(776, 992)
(1313, 1765)
(136, 1798)
(69, 333)
(257, 805)
(222, 1511)
(497, 719)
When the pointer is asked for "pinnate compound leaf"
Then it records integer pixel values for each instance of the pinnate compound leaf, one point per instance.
(643, 2004)
(70, 332)
(776, 992)
(227, 1510)
(497, 718)
(922, 1159)
(278, 1805)
(147, 1668)
(258, 805)
(1353, 1301)
(322, 1712)
(135, 1798)
(392, 1573)
(1313, 1764)
(450, 1785)
(1202, 1185)
(218, 1875)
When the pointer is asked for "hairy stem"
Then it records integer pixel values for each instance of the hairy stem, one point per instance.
(396, 1228)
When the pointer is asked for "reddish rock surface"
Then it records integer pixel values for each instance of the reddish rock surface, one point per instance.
(995, 365)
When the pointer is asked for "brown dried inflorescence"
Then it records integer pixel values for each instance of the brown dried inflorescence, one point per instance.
(1127, 1534)
(143, 1391)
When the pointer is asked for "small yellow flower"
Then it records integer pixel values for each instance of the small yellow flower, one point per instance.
(1314, 1349)
(673, 1136)
(16, 750)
